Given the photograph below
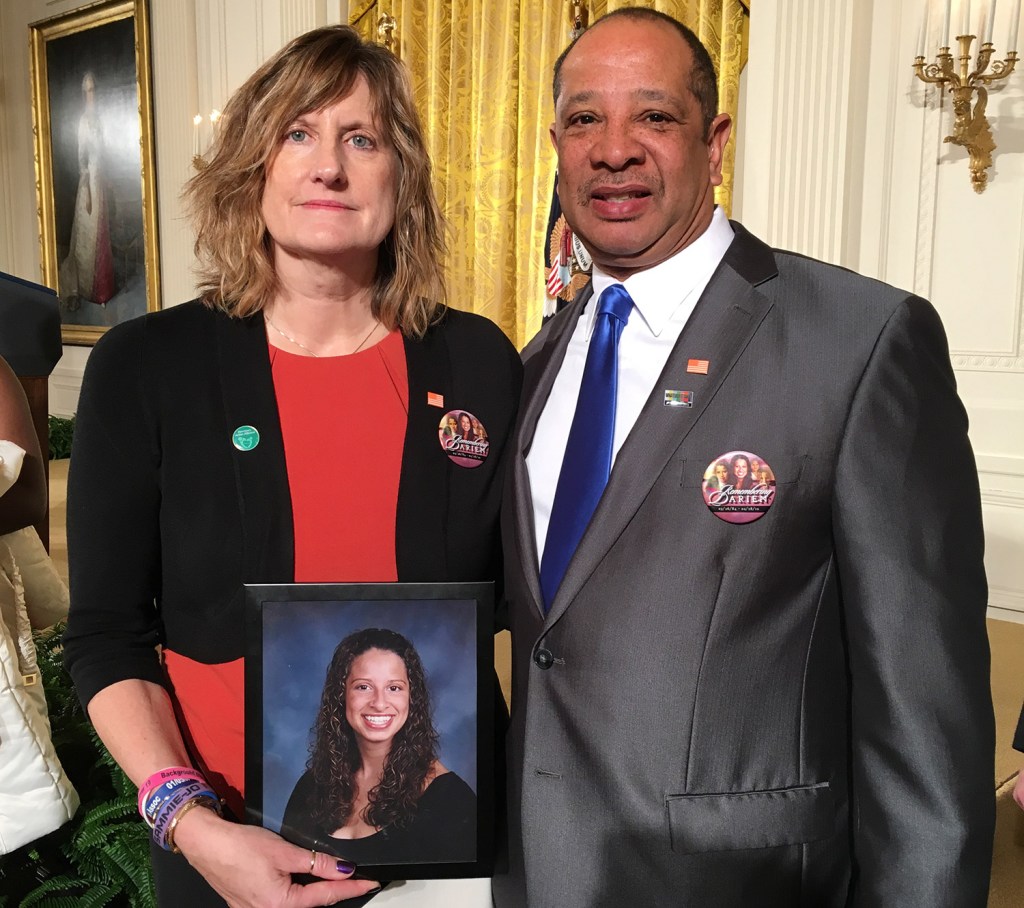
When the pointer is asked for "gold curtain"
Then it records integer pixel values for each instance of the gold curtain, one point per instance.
(481, 74)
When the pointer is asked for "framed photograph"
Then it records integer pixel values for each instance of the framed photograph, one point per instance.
(369, 723)
(94, 165)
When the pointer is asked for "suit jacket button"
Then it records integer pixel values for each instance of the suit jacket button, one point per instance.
(544, 659)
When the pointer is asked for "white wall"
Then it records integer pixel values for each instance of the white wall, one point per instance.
(843, 159)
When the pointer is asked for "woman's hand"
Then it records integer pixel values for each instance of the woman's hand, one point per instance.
(252, 868)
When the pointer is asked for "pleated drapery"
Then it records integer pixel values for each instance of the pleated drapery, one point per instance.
(481, 73)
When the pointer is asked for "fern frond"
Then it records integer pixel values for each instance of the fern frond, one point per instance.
(102, 814)
(58, 885)
(97, 897)
(125, 856)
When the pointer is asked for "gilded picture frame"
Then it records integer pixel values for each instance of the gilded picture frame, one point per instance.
(95, 175)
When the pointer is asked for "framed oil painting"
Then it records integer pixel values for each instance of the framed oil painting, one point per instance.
(369, 723)
(95, 175)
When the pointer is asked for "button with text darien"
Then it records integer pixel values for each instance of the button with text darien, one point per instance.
(463, 438)
(544, 659)
(739, 487)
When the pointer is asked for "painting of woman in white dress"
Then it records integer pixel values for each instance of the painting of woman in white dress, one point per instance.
(87, 274)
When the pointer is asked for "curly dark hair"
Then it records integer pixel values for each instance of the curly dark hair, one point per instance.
(334, 754)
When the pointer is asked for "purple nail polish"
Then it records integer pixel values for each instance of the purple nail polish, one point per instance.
(346, 867)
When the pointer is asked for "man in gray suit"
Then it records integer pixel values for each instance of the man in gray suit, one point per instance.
(763, 690)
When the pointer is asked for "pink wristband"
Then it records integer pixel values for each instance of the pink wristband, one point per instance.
(163, 775)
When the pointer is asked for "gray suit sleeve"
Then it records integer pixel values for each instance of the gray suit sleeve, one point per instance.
(908, 533)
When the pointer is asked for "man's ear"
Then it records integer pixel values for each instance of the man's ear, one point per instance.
(718, 136)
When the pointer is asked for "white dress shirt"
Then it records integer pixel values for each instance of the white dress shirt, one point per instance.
(664, 297)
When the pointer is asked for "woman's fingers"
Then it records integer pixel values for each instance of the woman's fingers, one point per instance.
(326, 866)
(330, 868)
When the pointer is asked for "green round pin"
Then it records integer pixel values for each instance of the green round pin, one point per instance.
(245, 438)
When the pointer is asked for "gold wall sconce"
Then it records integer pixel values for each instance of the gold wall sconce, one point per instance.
(387, 32)
(968, 83)
(579, 18)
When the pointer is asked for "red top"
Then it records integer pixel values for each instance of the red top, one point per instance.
(343, 421)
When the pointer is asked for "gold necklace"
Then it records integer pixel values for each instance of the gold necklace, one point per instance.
(302, 346)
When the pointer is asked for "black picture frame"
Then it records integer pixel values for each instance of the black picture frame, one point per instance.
(292, 632)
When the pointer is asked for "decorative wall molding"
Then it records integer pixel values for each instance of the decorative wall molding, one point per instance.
(299, 17)
(66, 382)
(1007, 605)
(980, 361)
(1006, 614)
(175, 102)
(1000, 465)
(211, 54)
(814, 45)
(930, 99)
(1001, 498)
(879, 175)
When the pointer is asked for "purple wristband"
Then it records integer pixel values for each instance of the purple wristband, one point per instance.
(179, 800)
(160, 796)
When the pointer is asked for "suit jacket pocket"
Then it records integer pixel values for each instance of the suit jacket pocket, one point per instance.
(750, 819)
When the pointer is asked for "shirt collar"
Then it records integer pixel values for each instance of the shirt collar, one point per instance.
(689, 268)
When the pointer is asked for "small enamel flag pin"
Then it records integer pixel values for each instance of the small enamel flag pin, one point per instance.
(697, 366)
(678, 398)
(435, 400)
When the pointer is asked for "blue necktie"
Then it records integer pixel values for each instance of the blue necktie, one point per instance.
(588, 454)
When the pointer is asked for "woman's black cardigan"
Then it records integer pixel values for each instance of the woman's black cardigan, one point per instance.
(167, 519)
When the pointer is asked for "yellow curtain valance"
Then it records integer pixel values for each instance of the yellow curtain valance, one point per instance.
(482, 79)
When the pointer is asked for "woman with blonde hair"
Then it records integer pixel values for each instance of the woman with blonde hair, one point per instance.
(215, 446)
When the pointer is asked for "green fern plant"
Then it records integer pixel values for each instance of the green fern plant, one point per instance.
(101, 857)
(61, 432)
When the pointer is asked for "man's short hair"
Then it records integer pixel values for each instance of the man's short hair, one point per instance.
(703, 79)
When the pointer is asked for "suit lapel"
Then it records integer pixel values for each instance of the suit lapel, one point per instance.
(722, 325)
(540, 369)
(261, 476)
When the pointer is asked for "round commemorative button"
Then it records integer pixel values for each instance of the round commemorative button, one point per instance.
(739, 487)
(463, 438)
(245, 438)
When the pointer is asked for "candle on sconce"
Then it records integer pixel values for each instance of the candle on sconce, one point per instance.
(215, 120)
(196, 122)
(922, 32)
(945, 23)
(965, 17)
(990, 21)
(1014, 25)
